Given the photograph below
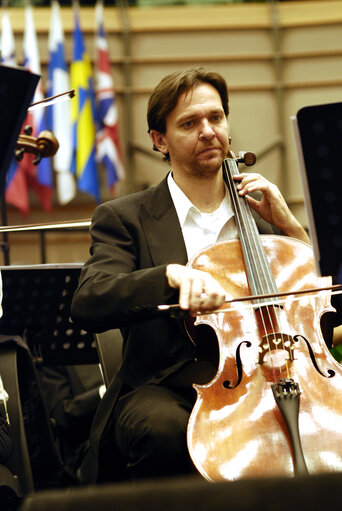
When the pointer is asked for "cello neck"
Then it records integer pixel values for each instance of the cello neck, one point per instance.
(259, 275)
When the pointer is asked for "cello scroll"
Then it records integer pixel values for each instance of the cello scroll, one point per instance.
(43, 146)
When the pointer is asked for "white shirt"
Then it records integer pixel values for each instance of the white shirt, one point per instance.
(202, 229)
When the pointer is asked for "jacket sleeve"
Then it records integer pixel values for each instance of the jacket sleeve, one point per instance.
(114, 289)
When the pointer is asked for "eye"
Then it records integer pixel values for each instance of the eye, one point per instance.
(188, 124)
(216, 117)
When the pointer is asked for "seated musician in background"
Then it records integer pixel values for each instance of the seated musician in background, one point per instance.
(140, 246)
(8, 496)
(72, 394)
(5, 435)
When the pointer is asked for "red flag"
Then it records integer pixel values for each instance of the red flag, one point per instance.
(26, 175)
(16, 188)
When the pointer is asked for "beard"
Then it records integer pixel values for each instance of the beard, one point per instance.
(208, 167)
(198, 165)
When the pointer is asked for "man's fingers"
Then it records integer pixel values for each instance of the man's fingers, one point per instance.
(184, 294)
(198, 290)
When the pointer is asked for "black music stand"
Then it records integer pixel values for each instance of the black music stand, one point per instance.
(37, 330)
(36, 303)
(318, 136)
(17, 86)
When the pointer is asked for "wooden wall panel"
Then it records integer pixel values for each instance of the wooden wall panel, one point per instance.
(274, 62)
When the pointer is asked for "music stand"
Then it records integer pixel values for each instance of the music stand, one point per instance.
(36, 303)
(17, 86)
(318, 137)
(37, 330)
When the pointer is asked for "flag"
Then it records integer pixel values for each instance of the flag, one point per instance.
(59, 115)
(16, 192)
(39, 177)
(24, 175)
(83, 116)
(7, 40)
(107, 137)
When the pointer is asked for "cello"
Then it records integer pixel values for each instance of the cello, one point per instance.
(274, 407)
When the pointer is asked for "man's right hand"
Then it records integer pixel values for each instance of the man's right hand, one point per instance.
(198, 290)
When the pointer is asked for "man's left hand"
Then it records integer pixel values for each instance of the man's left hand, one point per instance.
(272, 206)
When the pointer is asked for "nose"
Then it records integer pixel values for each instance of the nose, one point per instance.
(207, 132)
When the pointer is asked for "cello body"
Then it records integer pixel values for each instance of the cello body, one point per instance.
(236, 428)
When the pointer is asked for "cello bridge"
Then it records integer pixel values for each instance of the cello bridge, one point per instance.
(276, 346)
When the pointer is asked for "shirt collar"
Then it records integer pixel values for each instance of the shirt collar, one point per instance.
(180, 200)
(183, 204)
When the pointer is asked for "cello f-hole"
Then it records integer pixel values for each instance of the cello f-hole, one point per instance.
(226, 383)
(330, 372)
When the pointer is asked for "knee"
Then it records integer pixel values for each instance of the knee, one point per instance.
(159, 449)
(164, 432)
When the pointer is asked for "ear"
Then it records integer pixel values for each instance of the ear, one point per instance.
(159, 142)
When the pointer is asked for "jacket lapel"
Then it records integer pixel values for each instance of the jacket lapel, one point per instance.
(161, 226)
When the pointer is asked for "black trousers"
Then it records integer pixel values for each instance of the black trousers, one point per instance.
(147, 434)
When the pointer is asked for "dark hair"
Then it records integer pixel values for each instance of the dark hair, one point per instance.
(165, 96)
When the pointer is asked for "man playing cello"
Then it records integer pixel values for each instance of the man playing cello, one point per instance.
(140, 246)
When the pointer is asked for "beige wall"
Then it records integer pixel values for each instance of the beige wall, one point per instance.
(274, 62)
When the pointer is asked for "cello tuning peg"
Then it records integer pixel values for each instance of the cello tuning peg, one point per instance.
(28, 130)
(18, 154)
(247, 157)
(37, 159)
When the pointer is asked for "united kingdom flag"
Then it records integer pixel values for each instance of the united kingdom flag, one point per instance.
(107, 138)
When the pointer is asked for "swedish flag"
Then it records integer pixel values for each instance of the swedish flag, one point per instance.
(83, 116)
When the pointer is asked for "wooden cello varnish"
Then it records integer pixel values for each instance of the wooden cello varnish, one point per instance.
(236, 428)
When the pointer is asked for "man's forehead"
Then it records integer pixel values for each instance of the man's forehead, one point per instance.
(202, 96)
(202, 91)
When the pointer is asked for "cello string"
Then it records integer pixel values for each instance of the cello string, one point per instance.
(244, 228)
(268, 278)
(268, 309)
(271, 307)
(248, 241)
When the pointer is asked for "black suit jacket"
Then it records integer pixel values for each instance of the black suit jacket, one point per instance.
(122, 283)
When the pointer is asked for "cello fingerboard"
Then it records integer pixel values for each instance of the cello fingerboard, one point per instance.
(258, 271)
